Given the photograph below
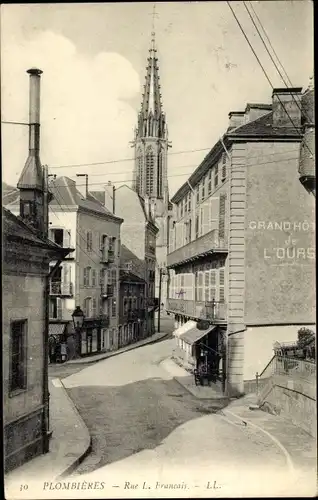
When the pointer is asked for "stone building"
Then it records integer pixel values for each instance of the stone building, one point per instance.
(241, 246)
(132, 303)
(89, 277)
(138, 235)
(27, 253)
(150, 179)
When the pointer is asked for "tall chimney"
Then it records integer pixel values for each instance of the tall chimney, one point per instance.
(110, 197)
(286, 107)
(31, 182)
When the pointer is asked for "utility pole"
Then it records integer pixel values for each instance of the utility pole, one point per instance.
(160, 284)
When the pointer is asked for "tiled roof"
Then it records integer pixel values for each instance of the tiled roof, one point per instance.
(15, 227)
(99, 195)
(263, 127)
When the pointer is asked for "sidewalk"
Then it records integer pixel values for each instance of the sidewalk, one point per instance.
(299, 448)
(214, 391)
(69, 444)
(99, 357)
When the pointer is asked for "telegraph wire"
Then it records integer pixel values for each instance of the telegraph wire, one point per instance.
(270, 55)
(298, 130)
(180, 175)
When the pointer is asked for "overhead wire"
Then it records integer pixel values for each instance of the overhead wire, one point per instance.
(298, 129)
(270, 55)
(180, 175)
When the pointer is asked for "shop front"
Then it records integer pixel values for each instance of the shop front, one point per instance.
(91, 336)
(58, 351)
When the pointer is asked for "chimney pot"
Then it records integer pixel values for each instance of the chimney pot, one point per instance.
(236, 119)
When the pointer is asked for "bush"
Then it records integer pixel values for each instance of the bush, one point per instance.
(305, 337)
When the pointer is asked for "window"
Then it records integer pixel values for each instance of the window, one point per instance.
(159, 177)
(93, 277)
(87, 276)
(224, 166)
(88, 307)
(103, 247)
(216, 175)
(181, 208)
(199, 286)
(221, 285)
(94, 307)
(18, 379)
(203, 188)
(222, 208)
(139, 171)
(189, 202)
(197, 226)
(210, 182)
(198, 194)
(89, 241)
(149, 171)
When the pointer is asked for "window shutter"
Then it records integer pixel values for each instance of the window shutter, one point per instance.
(200, 286)
(221, 285)
(212, 284)
(51, 234)
(206, 217)
(206, 285)
(93, 277)
(222, 216)
(59, 307)
(66, 239)
(94, 306)
(85, 276)
(214, 210)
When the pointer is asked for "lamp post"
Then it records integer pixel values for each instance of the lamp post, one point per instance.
(78, 317)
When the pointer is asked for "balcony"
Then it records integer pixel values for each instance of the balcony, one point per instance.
(212, 311)
(59, 288)
(207, 244)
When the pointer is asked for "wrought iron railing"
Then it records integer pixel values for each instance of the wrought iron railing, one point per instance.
(284, 366)
(202, 310)
(60, 288)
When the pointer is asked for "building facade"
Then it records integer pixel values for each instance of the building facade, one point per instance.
(132, 315)
(88, 278)
(307, 166)
(138, 235)
(150, 178)
(241, 247)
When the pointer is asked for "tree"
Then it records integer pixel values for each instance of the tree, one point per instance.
(305, 337)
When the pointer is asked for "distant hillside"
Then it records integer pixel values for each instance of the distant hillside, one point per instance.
(6, 187)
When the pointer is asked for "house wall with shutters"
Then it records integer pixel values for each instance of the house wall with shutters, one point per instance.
(89, 265)
(65, 220)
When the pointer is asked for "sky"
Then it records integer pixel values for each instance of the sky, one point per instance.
(93, 57)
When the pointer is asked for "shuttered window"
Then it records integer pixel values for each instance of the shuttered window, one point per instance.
(89, 241)
(222, 216)
(216, 175)
(210, 182)
(212, 295)
(93, 277)
(224, 158)
(206, 285)
(66, 238)
(199, 286)
(221, 285)
(18, 358)
(94, 307)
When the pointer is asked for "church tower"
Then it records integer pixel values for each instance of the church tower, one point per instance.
(151, 144)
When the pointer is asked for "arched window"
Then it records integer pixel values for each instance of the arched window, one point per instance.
(149, 171)
(139, 177)
(159, 176)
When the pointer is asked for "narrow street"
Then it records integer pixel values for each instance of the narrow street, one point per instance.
(141, 419)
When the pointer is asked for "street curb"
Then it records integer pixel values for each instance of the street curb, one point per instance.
(219, 398)
(88, 449)
(116, 353)
(270, 436)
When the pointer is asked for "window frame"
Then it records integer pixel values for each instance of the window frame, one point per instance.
(20, 386)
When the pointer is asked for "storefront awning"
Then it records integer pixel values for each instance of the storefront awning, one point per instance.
(56, 328)
(184, 328)
(194, 334)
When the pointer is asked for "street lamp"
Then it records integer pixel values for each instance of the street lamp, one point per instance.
(78, 318)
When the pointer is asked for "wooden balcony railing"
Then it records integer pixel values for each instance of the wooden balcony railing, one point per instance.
(60, 288)
(206, 244)
(212, 311)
